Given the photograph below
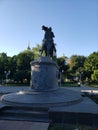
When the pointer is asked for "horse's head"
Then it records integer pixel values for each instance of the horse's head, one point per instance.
(44, 28)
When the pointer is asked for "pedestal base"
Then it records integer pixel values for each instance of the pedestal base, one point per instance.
(59, 106)
(44, 74)
(59, 97)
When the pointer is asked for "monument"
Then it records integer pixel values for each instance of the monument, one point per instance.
(44, 91)
(45, 100)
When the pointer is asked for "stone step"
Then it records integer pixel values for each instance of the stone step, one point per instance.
(25, 108)
(24, 118)
(24, 113)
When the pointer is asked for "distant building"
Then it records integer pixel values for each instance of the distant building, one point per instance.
(28, 48)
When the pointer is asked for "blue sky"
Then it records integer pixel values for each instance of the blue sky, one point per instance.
(74, 23)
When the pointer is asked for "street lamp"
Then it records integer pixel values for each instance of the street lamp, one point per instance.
(6, 75)
(81, 78)
(61, 76)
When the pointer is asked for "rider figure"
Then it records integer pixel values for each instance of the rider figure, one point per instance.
(48, 42)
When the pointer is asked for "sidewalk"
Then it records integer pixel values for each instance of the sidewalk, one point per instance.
(11, 89)
(22, 125)
(84, 89)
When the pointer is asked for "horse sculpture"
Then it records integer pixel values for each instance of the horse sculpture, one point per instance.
(48, 45)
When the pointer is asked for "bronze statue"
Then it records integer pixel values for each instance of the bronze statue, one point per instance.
(48, 43)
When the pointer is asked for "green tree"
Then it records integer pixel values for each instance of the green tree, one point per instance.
(36, 51)
(63, 66)
(76, 65)
(91, 64)
(12, 66)
(4, 64)
(23, 65)
(94, 76)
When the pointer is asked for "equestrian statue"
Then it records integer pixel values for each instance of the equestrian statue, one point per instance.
(48, 45)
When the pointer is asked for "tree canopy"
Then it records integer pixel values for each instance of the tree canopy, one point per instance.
(19, 65)
(91, 64)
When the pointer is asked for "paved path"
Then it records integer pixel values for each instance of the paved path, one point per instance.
(84, 89)
(10, 89)
(22, 125)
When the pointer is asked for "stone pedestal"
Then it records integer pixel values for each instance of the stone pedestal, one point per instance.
(44, 74)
